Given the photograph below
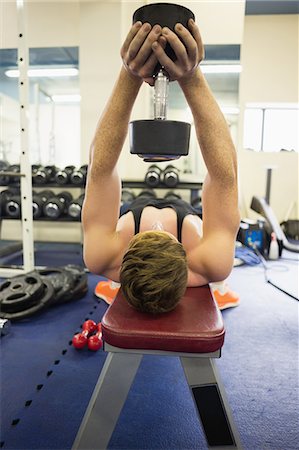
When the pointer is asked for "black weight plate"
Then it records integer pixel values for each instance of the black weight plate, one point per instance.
(81, 283)
(44, 301)
(20, 292)
(61, 279)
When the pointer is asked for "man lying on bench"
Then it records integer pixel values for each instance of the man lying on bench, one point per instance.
(159, 247)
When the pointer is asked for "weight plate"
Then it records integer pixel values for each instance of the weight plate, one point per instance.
(81, 283)
(20, 292)
(44, 301)
(61, 279)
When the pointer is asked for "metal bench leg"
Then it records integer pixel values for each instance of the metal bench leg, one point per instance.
(211, 403)
(107, 401)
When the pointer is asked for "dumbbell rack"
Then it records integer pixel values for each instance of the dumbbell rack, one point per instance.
(193, 187)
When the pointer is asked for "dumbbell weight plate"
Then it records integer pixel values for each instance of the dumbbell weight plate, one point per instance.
(43, 301)
(13, 207)
(166, 15)
(20, 292)
(159, 140)
(61, 279)
(80, 287)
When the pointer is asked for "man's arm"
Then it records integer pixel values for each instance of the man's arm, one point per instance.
(100, 210)
(213, 258)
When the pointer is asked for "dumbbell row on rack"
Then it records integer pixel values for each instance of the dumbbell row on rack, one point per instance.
(128, 196)
(155, 176)
(44, 203)
(43, 175)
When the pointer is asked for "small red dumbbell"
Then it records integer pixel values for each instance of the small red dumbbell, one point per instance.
(80, 340)
(95, 341)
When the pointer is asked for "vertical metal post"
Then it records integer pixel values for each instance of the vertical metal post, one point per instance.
(25, 167)
(268, 184)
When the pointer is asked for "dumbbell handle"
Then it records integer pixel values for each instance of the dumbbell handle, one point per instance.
(161, 95)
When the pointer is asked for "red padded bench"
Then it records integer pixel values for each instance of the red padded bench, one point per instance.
(194, 331)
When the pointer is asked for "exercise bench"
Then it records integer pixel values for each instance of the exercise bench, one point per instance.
(194, 332)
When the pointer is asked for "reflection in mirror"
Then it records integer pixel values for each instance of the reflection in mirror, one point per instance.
(54, 106)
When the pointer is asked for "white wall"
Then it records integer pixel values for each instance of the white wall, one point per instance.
(269, 58)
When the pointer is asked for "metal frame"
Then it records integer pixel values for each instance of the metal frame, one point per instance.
(25, 167)
(114, 383)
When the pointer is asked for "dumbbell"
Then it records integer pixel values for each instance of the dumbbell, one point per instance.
(75, 207)
(171, 176)
(38, 201)
(57, 205)
(172, 196)
(4, 179)
(43, 174)
(80, 339)
(78, 176)
(197, 205)
(95, 342)
(14, 168)
(160, 139)
(147, 194)
(153, 176)
(13, 206)
(63, 176)
(5, 197)
(127, 196)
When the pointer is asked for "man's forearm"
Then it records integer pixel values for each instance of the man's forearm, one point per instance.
(112, 128)
(211, 128)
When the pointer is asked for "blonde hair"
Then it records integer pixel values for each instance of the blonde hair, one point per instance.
(154, 272)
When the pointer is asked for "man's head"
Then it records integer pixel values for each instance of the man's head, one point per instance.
(154, 272)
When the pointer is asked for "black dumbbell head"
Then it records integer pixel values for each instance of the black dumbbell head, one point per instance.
(166, 15)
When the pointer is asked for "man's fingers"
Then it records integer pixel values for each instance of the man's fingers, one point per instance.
(133, 31)
(197, 36)
(189, 41)
(138, 41)
(176, 45)
(146, 48)
(163, 59)
(152, 61)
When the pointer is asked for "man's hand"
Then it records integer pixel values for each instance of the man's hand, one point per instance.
(136, 52)
(188, 47)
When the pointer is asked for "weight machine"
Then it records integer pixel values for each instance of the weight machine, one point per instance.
(262, 206)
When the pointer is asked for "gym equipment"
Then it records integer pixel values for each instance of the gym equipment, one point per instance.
(147, 194)
(160, 139)
(61, 280)
(38, 201)
(4, 179)
(252, 234)
(5, 196)
(171, 176)
(13, 206)
(127, 196)
(78, 176)
(95, 342)
(153, 176)
(14, 168)
(63, 176)
(291, 228)
(194, 332)
(262, 206)
(196, 203)
(43, 175)
(5, 326)
(75, 208)
(70, 282)
(172, 196)
(24, 295)
(56, 206)
(80, 339)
